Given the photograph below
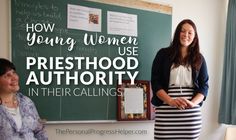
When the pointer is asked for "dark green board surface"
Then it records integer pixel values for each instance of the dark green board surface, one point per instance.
(154, 32)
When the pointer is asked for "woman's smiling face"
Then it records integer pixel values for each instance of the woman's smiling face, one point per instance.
(9, 82)
(187, 35)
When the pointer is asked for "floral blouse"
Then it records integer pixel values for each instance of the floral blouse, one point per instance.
(31, 128)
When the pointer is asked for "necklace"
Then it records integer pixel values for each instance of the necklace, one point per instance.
(14, 102)
(11, 105)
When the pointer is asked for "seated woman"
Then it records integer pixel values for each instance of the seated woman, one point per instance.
(19, 119)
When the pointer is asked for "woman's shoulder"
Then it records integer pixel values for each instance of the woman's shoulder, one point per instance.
(23, 98)
(163, 52)
(202, 58)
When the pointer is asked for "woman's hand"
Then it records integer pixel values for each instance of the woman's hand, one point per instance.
(190, 104)
(180, 103)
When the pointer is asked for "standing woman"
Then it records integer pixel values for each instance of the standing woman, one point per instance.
(180, 84)
(19, 119)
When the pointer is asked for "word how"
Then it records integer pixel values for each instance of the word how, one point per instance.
(34, 38)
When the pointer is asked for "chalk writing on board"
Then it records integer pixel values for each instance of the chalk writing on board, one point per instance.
(35, 12)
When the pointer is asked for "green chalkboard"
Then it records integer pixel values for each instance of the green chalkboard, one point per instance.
(55, 102)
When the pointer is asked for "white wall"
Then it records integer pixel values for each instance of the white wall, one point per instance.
(210, 17)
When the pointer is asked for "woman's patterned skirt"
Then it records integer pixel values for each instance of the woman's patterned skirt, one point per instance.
(172, 123)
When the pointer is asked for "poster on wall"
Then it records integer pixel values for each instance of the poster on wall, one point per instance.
(84, 18)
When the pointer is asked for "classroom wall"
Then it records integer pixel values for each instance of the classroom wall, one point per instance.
(210, 17)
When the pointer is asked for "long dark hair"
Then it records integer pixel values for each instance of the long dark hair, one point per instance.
(5, 66)
(193, 57)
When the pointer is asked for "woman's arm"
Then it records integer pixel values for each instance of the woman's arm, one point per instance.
(39, 131)
(202, 89)
(195, 101)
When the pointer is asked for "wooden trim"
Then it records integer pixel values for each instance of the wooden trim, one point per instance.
(138, 4)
